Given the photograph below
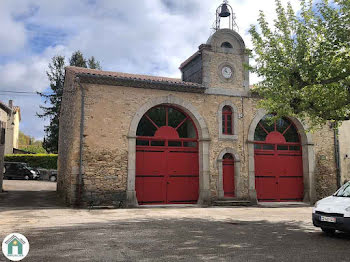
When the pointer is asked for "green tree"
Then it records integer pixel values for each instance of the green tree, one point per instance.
(30, 144)
(23, 139)
(94, 64)
(52, 111)
(77, 59)
(34, 149)
(304, 61)
(55, 75)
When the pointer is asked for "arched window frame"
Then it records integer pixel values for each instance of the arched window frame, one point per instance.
(227, 120)
(226, 44)
(234, 121)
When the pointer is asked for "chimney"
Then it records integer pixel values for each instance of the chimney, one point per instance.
(10, 103)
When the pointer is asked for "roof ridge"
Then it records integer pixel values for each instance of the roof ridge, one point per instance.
(127, 76)
(115, 73)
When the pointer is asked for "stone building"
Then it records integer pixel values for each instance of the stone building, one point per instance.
(12, 128)
(154, 140)
(9, 130)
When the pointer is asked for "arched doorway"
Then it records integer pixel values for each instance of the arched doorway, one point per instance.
(278, 161)
(167, 169)
(228, 166)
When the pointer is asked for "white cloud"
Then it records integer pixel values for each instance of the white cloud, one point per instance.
(151, 37)
(12, 34)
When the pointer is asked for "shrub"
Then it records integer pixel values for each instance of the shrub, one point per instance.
(48, 161)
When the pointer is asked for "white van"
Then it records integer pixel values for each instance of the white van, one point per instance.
(333, 212)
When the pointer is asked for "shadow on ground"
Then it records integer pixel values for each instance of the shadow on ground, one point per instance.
(17, 200)
(186, 240)
(29, 194)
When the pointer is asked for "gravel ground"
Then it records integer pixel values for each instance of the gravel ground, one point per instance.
(57, 233)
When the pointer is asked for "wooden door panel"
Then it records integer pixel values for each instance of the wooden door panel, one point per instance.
(291, 188)
(279, 177)
(151, 190)
(150, 163)
(229, 178)
(289, 165)
(182, 163)
(182, 189)
(264, 164)
(266, 188)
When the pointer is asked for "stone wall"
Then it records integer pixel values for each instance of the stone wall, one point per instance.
(69, 141)
(344, 145)
(215, 62)
(108, 114)
(325, 165)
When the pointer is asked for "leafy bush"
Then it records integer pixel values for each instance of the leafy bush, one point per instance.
(48, 161)
(34, 149)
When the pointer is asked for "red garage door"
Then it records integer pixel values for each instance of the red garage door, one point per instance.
(166, 158)
(278, 161)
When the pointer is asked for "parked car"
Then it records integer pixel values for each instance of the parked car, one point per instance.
(53, 176)
(19, 170)
(333, 212)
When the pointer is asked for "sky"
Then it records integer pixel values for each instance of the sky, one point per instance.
(143, 37)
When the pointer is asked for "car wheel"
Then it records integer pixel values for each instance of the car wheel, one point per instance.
(52, 178)
(26, 177)
(328, 231)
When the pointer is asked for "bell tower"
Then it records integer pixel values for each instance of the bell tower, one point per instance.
(221, 63)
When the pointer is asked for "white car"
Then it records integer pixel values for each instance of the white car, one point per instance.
(333, 212)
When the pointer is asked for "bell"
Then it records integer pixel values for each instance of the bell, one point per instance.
(224, 11)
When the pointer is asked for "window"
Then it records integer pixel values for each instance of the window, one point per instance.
(226, 45)
(228, 156)
(227, 120)
(165, 125)
(268, 127)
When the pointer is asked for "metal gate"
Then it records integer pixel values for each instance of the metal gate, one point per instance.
(167, 168)
(278, 162)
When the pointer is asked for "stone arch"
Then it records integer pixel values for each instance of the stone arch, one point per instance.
(222, 136)
(307, 152)
(229, 36)
(220, 182)
(203, 137)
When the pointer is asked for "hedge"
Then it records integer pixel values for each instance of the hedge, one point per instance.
(48, 161)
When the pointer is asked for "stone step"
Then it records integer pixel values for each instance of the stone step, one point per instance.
(232, 202)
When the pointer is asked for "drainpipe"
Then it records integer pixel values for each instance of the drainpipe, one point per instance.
(82, 116)
(241, 116)
(337, 157)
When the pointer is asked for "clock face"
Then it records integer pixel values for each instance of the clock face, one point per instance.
(226, 72)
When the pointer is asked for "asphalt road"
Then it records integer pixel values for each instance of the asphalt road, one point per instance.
(57, 233)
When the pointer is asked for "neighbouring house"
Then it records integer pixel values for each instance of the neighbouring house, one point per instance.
(148, 140)
(12, 128)
(4, 110)
(10, 116)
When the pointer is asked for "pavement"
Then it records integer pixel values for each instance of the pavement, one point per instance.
(58, 233)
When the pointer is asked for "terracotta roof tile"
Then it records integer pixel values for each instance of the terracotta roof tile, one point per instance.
(126, 76)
